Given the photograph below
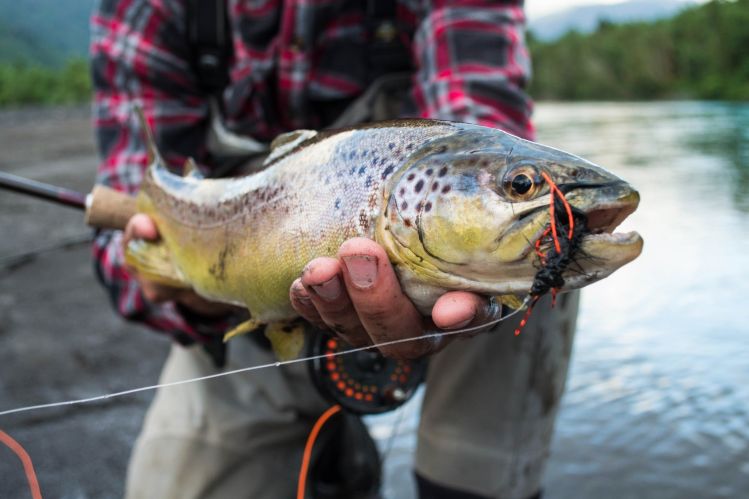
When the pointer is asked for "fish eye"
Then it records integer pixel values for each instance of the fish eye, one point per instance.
(522, 183)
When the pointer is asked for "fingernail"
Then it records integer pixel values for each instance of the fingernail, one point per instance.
(329, 290)
(362, 270)
(300, 294)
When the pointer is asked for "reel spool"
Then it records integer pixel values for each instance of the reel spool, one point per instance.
(364, 382)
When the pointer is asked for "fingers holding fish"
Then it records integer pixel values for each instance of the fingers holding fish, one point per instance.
(461, 309)
(329, 302)
(141, 226)
(386, 313)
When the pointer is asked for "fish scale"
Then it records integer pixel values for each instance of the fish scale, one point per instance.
(438, 196)
(304, 205)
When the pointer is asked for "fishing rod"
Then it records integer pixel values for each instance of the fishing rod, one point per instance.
(362, 381)
(104, 207)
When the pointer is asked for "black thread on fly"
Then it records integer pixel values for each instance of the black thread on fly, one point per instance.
(553, 262)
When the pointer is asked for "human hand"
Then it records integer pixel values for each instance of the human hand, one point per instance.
(141, 226)
(358, 296)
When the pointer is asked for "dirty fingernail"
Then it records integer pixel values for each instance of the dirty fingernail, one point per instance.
(362, 269)
(300, 294)
(329, 290)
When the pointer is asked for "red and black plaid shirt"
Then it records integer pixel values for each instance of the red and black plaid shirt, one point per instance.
(469, 57)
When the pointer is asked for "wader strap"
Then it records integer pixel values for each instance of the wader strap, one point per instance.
(208, 32)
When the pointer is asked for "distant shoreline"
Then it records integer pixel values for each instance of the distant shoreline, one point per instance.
(17, 115)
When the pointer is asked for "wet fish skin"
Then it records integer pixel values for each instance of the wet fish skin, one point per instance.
(433, 193)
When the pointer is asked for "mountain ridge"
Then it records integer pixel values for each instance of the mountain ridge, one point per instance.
(585, 18)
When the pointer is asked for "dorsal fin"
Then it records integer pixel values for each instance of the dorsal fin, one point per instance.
(286, 142)
(153, 151)
(191, 169)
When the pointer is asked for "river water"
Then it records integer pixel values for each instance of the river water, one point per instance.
(657, 400)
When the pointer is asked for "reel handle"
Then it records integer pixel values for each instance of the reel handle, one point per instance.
(109, 209)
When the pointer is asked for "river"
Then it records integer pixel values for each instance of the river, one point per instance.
(657, 400)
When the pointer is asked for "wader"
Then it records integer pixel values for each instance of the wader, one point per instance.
(486, 422)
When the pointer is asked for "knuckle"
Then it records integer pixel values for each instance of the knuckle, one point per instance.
(378, 315)
(339, 307)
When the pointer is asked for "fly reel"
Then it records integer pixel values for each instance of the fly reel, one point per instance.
(363, 382)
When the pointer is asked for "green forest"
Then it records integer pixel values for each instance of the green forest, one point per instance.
(702, 53)
(699, 54)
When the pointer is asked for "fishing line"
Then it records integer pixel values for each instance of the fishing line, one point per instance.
(394, 433)
(263, 366)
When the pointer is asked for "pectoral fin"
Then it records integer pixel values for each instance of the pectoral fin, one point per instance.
(152, 261)
(287, 339)
(245, 327)
(511, 301)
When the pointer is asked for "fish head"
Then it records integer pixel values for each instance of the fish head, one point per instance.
(466, 212)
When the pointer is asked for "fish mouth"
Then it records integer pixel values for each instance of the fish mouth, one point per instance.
(604, 210)
(604, 217)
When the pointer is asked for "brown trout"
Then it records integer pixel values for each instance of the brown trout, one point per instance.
(456, 206)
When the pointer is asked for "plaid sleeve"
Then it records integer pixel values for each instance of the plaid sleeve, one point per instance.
(473, 64)
(139, 57)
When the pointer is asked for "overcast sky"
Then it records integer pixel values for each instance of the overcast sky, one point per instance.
(538, 8)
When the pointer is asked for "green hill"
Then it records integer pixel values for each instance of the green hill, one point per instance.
(43, 32)
(700, 54)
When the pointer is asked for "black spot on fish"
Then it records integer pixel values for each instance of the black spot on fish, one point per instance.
(429, 171)
(410, 146)
(337, 203)
(218, 269)
(419, 185)
(435, 186)
(388, 171)
(428, 206)
(362, 170)
(391, 146)
(410, 177)
(443, 171)
(407, 222)
(446, 189)
(404, 206)
(352, 171)
(363, 220)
